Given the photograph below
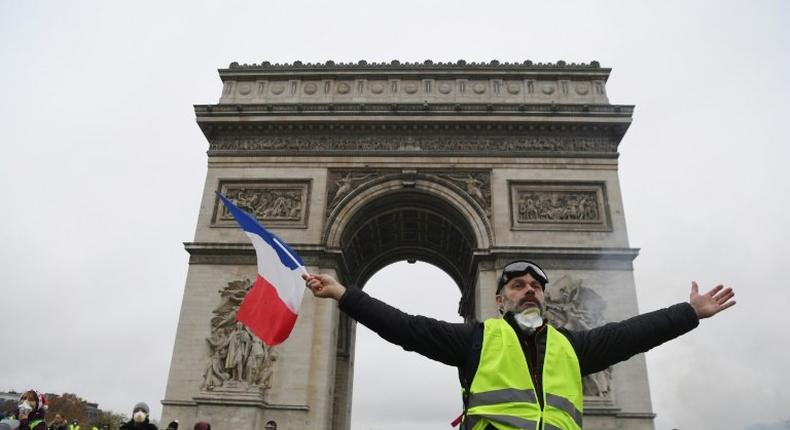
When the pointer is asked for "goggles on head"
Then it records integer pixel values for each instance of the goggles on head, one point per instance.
(520, 268)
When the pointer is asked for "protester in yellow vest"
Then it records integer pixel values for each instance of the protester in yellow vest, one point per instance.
(517, 372)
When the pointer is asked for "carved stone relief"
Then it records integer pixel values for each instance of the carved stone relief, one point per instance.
(572, 306)
(341, 183)
(471, 143)
(238, 360)
(559, 206)
(282, 204)
(476, 184)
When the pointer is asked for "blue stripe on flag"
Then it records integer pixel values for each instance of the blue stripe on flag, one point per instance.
(249, 224)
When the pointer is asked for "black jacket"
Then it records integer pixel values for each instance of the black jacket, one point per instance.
(452, 343)
(131, 425)
(33, 416)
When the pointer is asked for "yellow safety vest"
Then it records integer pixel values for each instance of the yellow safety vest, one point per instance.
(502, 393)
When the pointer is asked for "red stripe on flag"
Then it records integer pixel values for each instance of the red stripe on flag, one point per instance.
(265, 314)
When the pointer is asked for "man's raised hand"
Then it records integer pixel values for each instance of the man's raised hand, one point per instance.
(714, 301)
(324, 286)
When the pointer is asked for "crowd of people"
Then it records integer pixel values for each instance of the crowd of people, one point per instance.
(31, 413)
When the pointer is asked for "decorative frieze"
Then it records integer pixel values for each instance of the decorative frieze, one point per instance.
(471, 142)
(559, 206)
(274, 203)
(439, 90)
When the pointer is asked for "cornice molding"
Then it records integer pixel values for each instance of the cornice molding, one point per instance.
(368, 109)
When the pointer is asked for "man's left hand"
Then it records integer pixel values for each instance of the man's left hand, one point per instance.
(714, 301)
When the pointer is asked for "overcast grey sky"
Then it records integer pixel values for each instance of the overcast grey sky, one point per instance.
(102, 167)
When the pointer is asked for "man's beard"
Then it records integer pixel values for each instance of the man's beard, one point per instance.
(527, 314)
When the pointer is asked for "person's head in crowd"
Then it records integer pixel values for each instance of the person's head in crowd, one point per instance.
(270, 425)
(140, 412)
(173, 425)
(32, 405)
(202, 425)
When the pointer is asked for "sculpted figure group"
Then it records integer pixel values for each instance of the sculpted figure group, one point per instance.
(237, 357)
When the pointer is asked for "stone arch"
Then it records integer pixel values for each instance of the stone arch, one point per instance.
(399, 218)
(471, 210)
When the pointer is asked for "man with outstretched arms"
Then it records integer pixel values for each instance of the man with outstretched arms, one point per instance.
(517, 372)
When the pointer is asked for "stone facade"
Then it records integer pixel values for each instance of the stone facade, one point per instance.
(465, 166)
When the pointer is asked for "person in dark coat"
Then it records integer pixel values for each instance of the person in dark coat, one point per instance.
(520, 301)
(139, 419)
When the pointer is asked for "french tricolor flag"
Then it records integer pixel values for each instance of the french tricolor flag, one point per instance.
(270, 307)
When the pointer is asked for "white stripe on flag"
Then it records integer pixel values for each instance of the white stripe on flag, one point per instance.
(288, 283)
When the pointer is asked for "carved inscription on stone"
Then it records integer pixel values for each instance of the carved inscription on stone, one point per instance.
(238, 360)
(281, 204)
(575, 307)
(559, 206)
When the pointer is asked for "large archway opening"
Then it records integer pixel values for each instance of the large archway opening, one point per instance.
(413, 226)
(397, 389)
(414, 250)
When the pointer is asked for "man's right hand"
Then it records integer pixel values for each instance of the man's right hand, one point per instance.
(324, 286)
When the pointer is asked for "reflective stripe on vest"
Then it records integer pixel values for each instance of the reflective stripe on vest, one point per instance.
(502, 394)
(566, 406)
(563, 401)
(498, 421)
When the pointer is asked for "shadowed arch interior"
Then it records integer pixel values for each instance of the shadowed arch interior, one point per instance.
(409, 225)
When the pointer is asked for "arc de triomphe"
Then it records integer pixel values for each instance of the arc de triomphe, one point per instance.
(461, 165)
